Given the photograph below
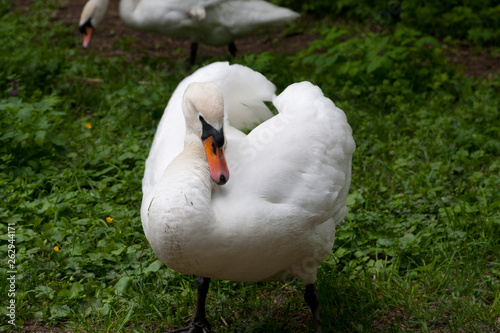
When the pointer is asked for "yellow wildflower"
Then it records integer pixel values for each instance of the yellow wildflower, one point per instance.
(56, 248)
(109, 219)
(88, 125)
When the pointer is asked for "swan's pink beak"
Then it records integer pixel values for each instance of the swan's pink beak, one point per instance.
(88, 35)
(216, 162)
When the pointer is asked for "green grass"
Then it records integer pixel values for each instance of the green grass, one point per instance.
(418, 252)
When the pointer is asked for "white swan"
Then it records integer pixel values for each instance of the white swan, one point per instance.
(211, 22)
(276, 215)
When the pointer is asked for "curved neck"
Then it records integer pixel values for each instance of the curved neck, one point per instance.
(127, 8)
(189, 170)
(95, 11)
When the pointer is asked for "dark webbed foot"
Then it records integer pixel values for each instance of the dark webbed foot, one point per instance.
(200, 323)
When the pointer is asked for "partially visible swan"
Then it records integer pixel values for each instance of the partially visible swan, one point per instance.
(211, 22)
(259, 207)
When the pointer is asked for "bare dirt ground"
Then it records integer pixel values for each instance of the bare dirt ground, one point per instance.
(112, 34)
(474, 62)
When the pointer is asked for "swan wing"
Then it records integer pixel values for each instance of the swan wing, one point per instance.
(290, 177)
(243, 17)
(299, 160)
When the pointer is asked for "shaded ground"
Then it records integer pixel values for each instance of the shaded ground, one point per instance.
(114, 38)
(39, 328)
(474, 62)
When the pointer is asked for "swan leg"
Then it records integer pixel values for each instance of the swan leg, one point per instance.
(312, 299)
(232, 49)
(200, 323)
(193, 51)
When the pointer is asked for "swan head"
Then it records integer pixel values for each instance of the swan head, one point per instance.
(203, 106)
(92, 15)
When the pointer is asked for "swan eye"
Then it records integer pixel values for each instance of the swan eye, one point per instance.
(209, 130)
(85, 25)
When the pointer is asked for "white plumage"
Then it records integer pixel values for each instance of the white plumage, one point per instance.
(276, 215)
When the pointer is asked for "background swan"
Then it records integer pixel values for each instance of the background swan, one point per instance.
(212, 22)
(289, 178)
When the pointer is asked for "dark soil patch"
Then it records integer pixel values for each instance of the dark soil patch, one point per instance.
(474, 62)
(36, 327)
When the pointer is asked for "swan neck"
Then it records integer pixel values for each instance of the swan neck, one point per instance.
(191, 167)
(94, 10)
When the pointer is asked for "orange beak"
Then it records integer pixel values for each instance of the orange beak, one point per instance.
(216, 162)
(88, 35)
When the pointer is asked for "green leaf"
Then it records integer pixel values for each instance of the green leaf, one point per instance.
(64, 293)
(59, 311)
(374, 64)
(122, 285)
(44, 292)
(25, 113)
(426, 268)
(154, 266)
